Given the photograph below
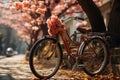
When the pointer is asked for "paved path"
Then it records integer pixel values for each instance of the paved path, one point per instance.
(1, 57)
(13, 68)
(16, 68)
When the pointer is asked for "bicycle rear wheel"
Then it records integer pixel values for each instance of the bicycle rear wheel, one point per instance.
(45, 58)
(95, 54)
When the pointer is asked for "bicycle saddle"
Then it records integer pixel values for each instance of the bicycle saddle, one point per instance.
(84, 30)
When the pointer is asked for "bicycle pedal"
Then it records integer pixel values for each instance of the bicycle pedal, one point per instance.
(81, 65)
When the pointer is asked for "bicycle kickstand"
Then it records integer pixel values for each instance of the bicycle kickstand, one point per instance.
(77, 64)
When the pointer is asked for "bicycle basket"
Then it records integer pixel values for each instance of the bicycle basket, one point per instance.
(54, 25)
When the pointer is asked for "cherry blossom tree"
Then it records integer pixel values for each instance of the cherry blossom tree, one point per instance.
(28, 17)
(36, 12)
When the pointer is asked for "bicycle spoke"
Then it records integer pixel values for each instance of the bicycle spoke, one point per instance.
(95, 52)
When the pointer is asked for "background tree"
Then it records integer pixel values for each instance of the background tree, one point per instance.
(8, 22)
(36, 13)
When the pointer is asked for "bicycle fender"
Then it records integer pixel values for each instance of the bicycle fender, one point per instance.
(81, 48)
(96, 37)
(47, 36)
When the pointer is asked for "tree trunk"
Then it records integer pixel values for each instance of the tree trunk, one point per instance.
(44, 25)
(114, 29)
(114, 22)
(45, 29)
(94, 15)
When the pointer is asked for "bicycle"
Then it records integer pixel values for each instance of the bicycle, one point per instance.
(47, 54)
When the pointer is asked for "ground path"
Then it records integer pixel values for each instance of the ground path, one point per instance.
(16, 68)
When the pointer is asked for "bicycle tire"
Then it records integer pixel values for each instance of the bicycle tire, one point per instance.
(95, 63)
(42, 50)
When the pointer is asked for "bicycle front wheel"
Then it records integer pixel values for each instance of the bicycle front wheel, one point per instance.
(45, 58)
(95, 55)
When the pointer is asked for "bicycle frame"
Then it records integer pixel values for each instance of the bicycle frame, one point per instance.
(67, 41)
(83, 39)
(56, 28)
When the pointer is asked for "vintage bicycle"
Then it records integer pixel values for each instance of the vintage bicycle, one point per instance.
(89, 53)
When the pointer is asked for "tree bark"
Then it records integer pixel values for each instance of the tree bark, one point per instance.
(94, 15)
(114, 30)
(114, 22)
(45, 29)
(44, 25)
